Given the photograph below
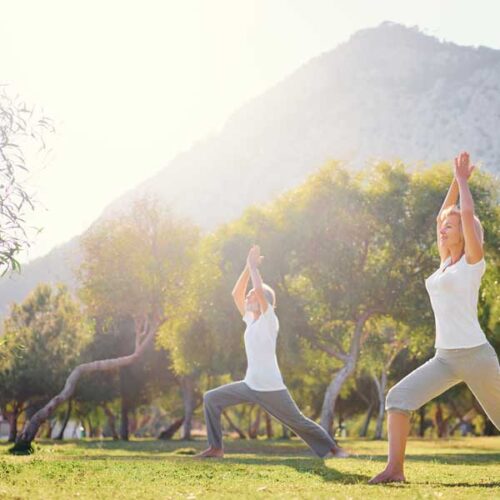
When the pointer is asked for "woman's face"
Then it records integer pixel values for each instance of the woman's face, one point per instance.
(251, 301)
(450, 233)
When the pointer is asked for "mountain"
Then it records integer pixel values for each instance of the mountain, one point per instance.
(389, 92)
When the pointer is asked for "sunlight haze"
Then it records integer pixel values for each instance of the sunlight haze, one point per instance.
(131, 84)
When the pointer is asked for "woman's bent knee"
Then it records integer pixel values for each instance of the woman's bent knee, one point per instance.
(398, 401)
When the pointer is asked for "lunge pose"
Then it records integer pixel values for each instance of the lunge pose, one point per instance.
(263, 383)
(462, 350)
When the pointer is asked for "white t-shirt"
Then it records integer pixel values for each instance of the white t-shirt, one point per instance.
(263, 373)
(454, 292)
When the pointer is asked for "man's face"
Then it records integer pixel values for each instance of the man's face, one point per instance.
(251, 301)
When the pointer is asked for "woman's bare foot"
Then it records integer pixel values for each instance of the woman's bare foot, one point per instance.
(388, 475)
(337, 452)
(211, 453)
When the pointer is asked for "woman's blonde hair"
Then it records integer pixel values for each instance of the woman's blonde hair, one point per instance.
(454, 210)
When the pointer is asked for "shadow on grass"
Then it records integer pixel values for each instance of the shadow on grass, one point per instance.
(272, 453)
(443, 458)
(268, 447)
(493, 484)
(304, 465)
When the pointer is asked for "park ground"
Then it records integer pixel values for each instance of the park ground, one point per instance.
(146, 469)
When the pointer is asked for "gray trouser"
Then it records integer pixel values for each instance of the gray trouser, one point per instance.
(477, 366)
(279, 404)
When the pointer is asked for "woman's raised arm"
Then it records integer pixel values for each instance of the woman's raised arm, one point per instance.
(472, 232)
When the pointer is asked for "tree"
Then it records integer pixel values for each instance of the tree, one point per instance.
(385, 341)
(130, 386)
(21, 127)
(192, 334)
(43, 337)
(133, 266)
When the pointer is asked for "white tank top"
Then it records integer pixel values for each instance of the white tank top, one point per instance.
(454, 292)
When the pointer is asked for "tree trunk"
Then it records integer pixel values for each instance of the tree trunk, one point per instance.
(142, 423)
(254, 427)
(380, 385)
(48, 432)
(25, 438)
(364, 429)
(269, 426)
(91, 427)
(60, 436)
(421, 426)
(124, 420)
(111, 421)
(132, 421)
(331, 394)
(441, 423)
(12, 419)
(350, 360)
(250, 411)
(169, 432)
(285, 433)
(233, 426)
(188, 386)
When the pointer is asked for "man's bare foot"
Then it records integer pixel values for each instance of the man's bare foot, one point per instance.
(211, 453)
(388, 476)
(337, 452)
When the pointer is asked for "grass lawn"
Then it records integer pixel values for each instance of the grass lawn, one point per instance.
(457, 468)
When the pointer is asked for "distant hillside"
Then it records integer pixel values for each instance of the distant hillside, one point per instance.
(389, 92)
(58, 266)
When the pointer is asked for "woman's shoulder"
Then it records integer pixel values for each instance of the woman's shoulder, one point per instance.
(473, 263)
(474, 267)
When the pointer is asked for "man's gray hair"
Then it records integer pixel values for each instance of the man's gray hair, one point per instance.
(269, 294)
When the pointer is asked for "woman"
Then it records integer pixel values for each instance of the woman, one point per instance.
(263, 383)
(462, 350)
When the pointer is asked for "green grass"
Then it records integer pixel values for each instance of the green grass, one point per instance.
(457, 468)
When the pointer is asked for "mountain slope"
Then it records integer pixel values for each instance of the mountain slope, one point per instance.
(389, 92)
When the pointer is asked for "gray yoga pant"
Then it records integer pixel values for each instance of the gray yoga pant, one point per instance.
(477, 366)
(279, 404)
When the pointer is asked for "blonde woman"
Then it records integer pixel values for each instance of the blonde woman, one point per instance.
(462, 350)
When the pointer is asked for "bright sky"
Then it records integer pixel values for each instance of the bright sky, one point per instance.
(132, 83)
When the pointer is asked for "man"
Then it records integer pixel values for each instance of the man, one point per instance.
(263, 383)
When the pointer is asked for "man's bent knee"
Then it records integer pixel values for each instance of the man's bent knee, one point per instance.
(208, 398)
